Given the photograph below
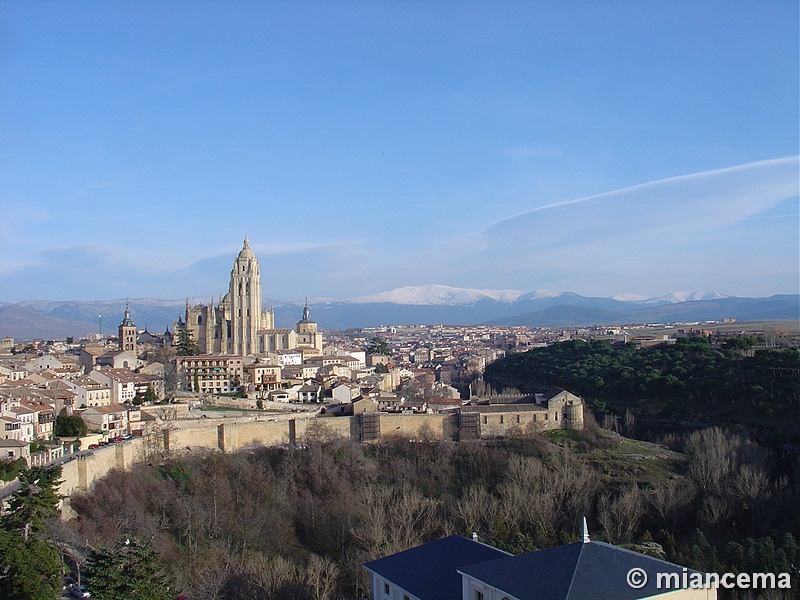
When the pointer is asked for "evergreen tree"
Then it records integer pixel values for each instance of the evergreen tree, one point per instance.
(30, 566)
(35, 502)
(30, 569)
(378, 345)
(130, 569)
(70, 426)
(186, 345)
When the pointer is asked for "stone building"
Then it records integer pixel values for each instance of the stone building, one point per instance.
(554, 409)
(127, 333)
(237, 325)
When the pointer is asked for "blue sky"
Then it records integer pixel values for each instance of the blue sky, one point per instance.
(596, 147)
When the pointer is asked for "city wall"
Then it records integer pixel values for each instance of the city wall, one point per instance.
(164, 439)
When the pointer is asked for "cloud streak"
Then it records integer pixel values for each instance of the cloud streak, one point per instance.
(646, 235)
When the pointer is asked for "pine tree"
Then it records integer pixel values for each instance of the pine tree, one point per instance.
(130, 569)
(30, 566)
(35, 502)
(186, 345)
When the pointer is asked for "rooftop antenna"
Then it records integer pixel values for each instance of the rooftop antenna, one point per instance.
(585, 534)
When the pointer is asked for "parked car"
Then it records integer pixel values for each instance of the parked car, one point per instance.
(127, 436)
(78, 591)
(93, 446)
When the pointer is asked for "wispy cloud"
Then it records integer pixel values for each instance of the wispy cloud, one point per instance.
(702, 199)
(629, 238)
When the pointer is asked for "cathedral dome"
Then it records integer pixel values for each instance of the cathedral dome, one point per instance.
(246, 252)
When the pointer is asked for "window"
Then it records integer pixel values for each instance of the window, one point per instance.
(478, 595)
(485, 420)
(405, 597)
(517, 418)
(501, 419)
(385, 588)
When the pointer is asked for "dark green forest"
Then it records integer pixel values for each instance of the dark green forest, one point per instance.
(692, 380)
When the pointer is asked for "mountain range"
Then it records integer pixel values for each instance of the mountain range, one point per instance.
(429, 304)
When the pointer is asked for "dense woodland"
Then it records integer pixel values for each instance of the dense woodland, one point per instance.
(692, 380)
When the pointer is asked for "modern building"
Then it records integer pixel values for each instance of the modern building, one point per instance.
(210, 374)
(457, 568)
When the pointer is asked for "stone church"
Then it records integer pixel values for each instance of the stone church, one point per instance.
(237, 325)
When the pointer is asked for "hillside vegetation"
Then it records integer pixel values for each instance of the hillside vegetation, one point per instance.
(688, 381)
(298, 523)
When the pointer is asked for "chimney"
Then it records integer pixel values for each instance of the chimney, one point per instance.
(474, 537)
(585, 535)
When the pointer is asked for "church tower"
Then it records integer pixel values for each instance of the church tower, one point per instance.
(244, 296)
(307, 332)
(127, 332)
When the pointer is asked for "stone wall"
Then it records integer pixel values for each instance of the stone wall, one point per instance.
(162, 439)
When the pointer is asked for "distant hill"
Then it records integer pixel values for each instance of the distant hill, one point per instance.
(431, 304)
(23, 323)
(778, 308)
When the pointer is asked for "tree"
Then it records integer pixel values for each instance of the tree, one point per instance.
(130, 569)
(35, 502)
(378, 345)
(30, 566)
(70, 426)
(29, 569)
(149, 396)
(9, 469)
(186, 345)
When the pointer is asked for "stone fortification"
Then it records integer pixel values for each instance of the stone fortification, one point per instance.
(165, 439)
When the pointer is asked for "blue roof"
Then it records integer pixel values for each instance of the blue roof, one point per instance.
(576, 571)
(429, 571)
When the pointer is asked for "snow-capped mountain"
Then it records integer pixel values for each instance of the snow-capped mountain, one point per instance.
(676, 297)
(439, 295)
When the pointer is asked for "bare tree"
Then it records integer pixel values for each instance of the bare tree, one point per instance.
(320, 576)
(667, 501)
(477, 509)
(619, 516)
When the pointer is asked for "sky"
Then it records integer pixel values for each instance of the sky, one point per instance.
(598, 147)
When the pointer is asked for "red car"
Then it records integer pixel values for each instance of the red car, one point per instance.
(93, 446)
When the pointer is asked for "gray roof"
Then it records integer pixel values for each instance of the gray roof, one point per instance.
(576, 571)
(429, 572)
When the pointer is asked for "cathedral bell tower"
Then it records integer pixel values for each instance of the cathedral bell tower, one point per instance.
(245, 303)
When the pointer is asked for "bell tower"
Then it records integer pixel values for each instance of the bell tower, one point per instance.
(127, 332)
(245, 303)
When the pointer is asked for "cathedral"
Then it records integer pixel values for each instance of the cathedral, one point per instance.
(237, 325)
